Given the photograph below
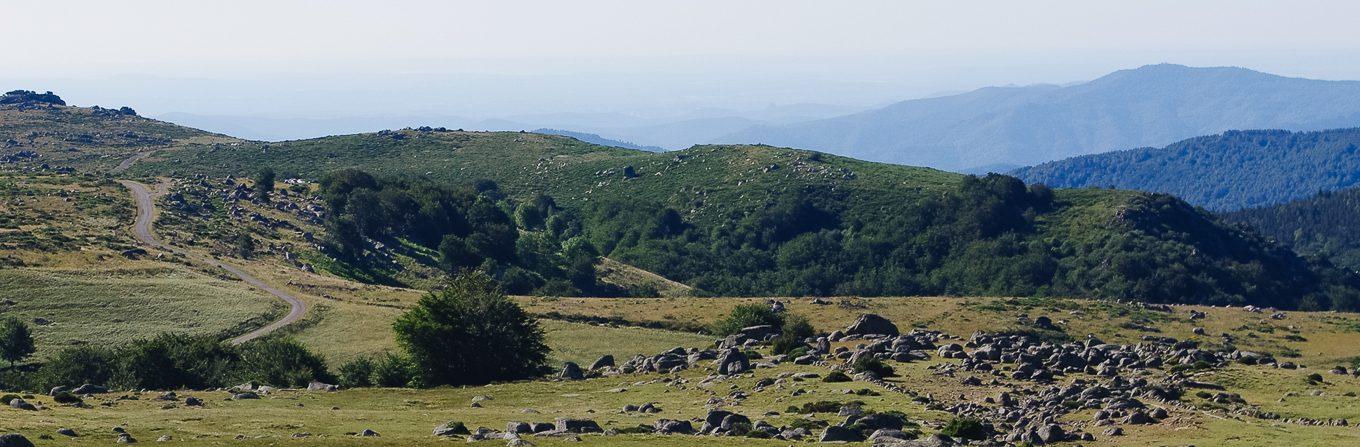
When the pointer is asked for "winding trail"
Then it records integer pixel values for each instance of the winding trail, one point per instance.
(141, 229)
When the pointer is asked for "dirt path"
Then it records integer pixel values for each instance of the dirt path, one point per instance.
(130, 161)
(141, 229)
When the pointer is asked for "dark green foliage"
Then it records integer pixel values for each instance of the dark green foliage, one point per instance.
(821, 406)
(836, 377)
(280, 362)
(76, 366)
(470, 334)
(965, 428)
(468, 227)
(1326, 225)
(747, 315)
(872, 365)
(392, 370)
(16, 341)
(173, 361)
(357, 373)
(1212, 171)
(245, 245)
(264, 183)
(797, 327)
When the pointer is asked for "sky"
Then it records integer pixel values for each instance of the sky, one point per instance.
(641, 60)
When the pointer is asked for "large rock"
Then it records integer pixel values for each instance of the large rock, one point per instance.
(578, 425)
(605, 361)
(836, 433)
(733, 361)
(14, 440)
(670, 426)
(90, 389)
(451, 428)
(572, 371)
(22, 405)
(870, 324)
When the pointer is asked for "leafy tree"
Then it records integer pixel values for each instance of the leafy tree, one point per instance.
(264, 183)
(77, 365)
(16, 341)
(171, 361)
(245, 245)
(747, 315)
(280, 362)
(470, 333)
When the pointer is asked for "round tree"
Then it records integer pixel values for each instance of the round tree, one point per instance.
(16, 342)
(471, 334)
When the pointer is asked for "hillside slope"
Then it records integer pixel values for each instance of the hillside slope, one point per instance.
(1149, 106)
(1229, 171)
(1326, 225)
(760, 220)
(84, 138)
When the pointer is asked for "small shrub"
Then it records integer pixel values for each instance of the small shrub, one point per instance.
(836, 377)
(807, 424)
(1314, 378)
(747, 315)
(873, 365)
(965, 428)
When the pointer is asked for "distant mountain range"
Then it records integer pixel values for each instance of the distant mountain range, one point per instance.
(1225, 172)
(1325, 225)
(995, 126)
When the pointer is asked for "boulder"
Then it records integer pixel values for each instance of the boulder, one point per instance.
(67, 432)
(21, 404)
(572, 371)
(578, 425)
(515, 427)
(451, 428)
(319, 386)
(669, 426)
(605, 361)
(871, 324)
(757, 332)
(14, 440)
(90, 389)
(836, 433)
(733, 361)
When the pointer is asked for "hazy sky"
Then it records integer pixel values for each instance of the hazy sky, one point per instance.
(500, 58)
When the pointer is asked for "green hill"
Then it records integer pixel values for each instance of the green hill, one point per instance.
(760, 220)
(1325, 225)
(86, 138)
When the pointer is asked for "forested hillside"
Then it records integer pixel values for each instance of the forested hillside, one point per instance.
(1225, 172)
(1325, 225)
(759, 220)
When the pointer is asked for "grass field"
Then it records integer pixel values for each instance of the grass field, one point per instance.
(99, 306)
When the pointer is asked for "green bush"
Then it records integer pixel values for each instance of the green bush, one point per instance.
(965, 428)
(797, 327)
(873, 365)
(471, 334)
(836, 376)
(357, 373)
(280, 362)
(16, 341)
(76, 366)
(392, 370)
(747, 315)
